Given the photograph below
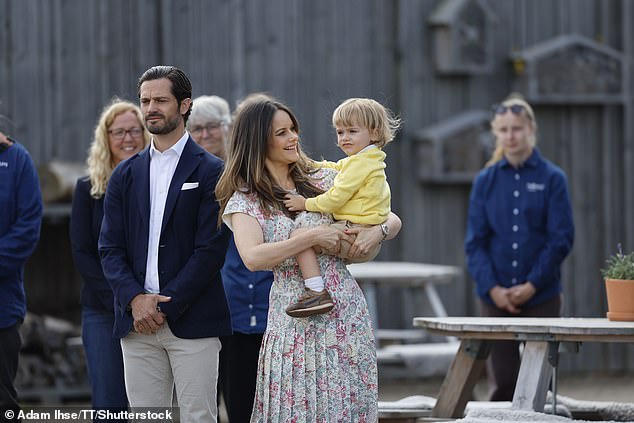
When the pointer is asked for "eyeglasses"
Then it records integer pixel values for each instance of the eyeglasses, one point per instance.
(119, 134)
(214, 126)
(500, 109)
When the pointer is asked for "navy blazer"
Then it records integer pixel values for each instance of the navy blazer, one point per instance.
(85, 225)
(191, 249)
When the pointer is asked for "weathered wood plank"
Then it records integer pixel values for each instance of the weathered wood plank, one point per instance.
(530, 328)
(461, 378)
(533, 378)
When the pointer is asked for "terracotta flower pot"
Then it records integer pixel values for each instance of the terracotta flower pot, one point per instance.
(620, 294)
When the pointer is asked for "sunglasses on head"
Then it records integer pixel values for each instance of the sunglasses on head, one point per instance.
(500, 109)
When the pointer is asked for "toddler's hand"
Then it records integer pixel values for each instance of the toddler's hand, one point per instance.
(295, 202)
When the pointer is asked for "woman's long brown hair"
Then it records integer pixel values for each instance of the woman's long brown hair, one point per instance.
(245, 168)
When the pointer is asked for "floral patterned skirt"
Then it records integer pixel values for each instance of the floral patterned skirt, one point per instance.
(320, 368)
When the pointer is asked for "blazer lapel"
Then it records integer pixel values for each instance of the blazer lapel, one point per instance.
(188, 161)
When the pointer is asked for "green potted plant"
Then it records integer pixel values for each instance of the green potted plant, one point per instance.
(619, 284)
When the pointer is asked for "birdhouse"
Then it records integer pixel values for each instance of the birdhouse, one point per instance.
(462, 38)
(455, 149)
(570, 69)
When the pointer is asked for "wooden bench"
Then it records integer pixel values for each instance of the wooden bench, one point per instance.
(415, 408)
(418, 408)
(406, 410)
(415, 277)
(416, 360)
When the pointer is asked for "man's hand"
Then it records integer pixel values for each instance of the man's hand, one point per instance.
(502, 300)
(295, 202)
(146, 314)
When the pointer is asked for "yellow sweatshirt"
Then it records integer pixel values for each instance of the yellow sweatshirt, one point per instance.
(360, 192)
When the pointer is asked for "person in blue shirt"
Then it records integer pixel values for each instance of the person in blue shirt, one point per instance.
(519, 231)
(247, 292)
(20, 221)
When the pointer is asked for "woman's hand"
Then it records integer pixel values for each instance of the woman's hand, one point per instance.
(329, 239)
(367, 238)
(519, 294)
(502, 300)
(295, 202)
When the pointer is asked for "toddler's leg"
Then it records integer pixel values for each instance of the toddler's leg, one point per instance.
(315, 299)
(308, 264)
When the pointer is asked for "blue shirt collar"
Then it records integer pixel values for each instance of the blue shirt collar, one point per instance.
(532, 161)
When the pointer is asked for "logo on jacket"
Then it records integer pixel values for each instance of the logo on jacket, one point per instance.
(4, 164)
(534, 187)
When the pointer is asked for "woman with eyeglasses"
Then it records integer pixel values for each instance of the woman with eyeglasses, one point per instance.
(209, 122)
(119, 134)
(519, 231)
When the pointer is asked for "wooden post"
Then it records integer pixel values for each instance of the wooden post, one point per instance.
(533, 378)
(463, 374)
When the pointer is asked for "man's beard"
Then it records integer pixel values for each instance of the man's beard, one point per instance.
(169, 126)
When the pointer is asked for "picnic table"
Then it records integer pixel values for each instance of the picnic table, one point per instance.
(541, 336)
(408, 275)
(407, 352)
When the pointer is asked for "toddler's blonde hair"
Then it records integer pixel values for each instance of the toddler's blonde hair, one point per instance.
(378, 119)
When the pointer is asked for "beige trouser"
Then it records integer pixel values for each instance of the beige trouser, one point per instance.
(154, 364)
(345, 245)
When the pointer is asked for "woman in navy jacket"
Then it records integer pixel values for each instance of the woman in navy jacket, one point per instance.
(519, 231)
(119, 134)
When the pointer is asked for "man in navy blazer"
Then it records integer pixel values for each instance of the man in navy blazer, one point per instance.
(161, 251)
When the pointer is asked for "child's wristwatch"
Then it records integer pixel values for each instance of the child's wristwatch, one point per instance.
(385, 230)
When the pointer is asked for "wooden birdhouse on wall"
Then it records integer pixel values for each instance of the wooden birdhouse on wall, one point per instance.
(570, 69)
(455, 149)
(462, 37)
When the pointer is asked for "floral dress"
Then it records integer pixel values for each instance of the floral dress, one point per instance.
(320, 368)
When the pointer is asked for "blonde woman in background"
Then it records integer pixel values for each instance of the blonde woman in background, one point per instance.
(119, 134)
(519, 231)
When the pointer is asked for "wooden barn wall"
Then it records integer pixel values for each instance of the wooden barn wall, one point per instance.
(62, 60)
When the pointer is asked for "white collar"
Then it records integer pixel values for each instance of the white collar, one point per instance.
(369, 147)
(178, 147)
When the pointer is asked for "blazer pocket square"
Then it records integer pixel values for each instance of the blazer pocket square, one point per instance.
(189, 185)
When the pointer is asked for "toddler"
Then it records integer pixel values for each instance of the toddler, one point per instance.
(360, 194)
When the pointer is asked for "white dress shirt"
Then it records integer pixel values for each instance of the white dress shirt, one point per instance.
(162, 168)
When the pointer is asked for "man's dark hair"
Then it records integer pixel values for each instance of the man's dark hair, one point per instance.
(181, 87)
